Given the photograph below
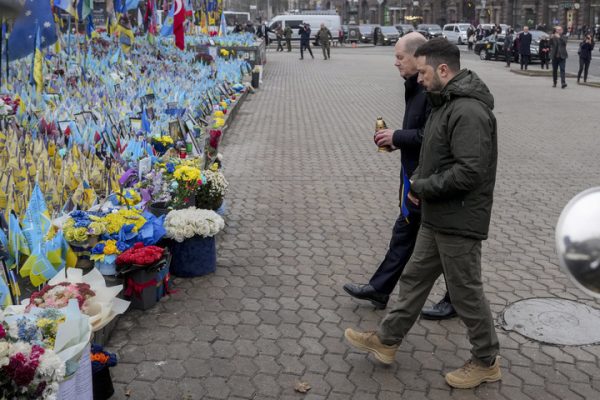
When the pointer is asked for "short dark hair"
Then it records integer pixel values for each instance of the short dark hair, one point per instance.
(440, 51)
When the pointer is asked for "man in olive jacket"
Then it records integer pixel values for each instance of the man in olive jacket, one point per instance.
(454, 183)
(287, 32)
(323, 37)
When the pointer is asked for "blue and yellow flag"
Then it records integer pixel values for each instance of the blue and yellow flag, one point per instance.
(37, 72)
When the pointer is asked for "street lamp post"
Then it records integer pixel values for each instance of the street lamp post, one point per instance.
(483, 13)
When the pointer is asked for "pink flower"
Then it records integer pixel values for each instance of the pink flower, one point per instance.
(2, 332)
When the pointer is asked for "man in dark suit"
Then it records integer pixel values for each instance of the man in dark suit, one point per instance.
(525, 47)
(558, 55)
(408, 141)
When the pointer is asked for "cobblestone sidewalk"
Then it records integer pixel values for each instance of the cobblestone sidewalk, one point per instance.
(311, 207)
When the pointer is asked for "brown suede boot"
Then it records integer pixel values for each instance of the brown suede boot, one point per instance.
(472, 374)
(369, 341)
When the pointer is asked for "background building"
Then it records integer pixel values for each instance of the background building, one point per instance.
(512, 12)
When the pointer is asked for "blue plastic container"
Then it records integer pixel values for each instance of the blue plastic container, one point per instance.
(106, 268)
(196, 256)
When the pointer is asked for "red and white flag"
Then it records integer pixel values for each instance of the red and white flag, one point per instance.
(178, 20)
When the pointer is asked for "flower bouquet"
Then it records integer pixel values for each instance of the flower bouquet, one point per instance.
(28, 371)
(88, 292)
(210, 194)
(193, 245)
(82, 228)
(39, 349)
(162, 143)
(101, 380)
(146, 273)
(212, 144)
(186, 180)
(140, 256)
(58, 296)
(105, 254)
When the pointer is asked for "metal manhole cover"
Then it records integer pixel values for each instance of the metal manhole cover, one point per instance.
(554, 321)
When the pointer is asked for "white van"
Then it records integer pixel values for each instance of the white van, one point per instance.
(332, 21)
(456, 33)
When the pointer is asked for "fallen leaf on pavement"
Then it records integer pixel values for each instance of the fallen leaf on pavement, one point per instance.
(301, 387)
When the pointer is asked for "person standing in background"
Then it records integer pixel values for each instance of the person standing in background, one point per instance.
(287, 33)
(544, 51)
(508, 46)
(558, 55)
(585, 57)
(525, 47)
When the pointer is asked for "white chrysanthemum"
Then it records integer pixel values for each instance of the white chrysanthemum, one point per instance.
(51, 366)
(19, 347)
(4, 349)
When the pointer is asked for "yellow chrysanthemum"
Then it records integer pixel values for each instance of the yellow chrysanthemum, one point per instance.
(186, 174)
(110, 247)
(115, 221)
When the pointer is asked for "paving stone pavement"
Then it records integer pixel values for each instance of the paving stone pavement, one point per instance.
(311, 207)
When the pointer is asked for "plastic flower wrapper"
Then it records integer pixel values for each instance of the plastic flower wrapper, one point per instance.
(153, 230)
(101, 308)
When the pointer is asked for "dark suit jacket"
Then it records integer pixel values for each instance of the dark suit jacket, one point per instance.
(558, 47)
(524, 44)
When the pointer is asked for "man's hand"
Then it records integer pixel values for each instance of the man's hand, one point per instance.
(384, 138)
(413, 199)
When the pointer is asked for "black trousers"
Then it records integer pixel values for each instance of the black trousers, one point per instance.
(584, 66)
(524, 61)
(402, 244)
(556, 64)
(306, 46)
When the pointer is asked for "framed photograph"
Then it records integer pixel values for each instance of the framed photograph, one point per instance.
(150, 113)
(228, 88)
(222, 89)
(175, 130)
(148, 99)
(84, 118)
(136, 124)
(125, 131)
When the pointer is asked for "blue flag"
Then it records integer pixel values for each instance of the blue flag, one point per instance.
(132, 4)
(145, 122)
(22, 38)
(167, 28)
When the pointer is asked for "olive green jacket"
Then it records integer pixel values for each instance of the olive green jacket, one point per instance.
(457, 165)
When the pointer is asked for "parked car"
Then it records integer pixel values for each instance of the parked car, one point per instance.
(429, 30)
(456, 33)
(492, 47)
(366, 32)
(403, 29)
(385, 35)
(332, 22)
(354, 34)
